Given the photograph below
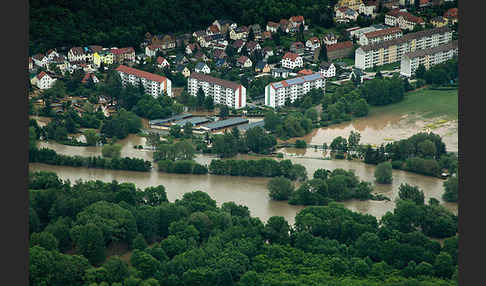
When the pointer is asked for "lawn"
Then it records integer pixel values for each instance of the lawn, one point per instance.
(386, 67)
(425, 102)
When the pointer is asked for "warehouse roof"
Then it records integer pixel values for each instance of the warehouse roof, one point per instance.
(170, 119)
(225, 123)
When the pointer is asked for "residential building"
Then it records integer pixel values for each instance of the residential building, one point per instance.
(104, 56)
(31, 64)
(239, 33)
(292, 61)
(238, 45)
(267, 52)
(44, 80)
(339, 50)
(403, 19)
(151, 50)
(327, 69)
(329, 39)
(212, 30)
(345, 15)
(123, 54)
(76, 54)
(369, 8)
(391, 51)
(289, 90)
(88, 76)
(272, 26)
(284, 25)
(428, 57)
(166, 42)
(439, 21)
(278, 72)
(305, 72)
(186, 72)
(257, 30)
(202, 68)
(266, 35)
(380, 35)
(296, 21)
(51, 54)
(191, 48)
(223, 92)
(252, 46)
(313, 43)
(352, 4)
(219, 54)
(162, 63)
(153, 84)
(40, 60)
(297, 48)
(244, 62)
(262, 66)
(451, 15)
(60, 62)
(224, 25)
(200, 56)
(356, 32)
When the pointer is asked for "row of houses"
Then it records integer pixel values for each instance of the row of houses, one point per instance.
(391, 51)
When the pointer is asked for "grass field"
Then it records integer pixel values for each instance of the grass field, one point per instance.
(425, 102)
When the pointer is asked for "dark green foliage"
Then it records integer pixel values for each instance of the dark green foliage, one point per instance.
(383, 173)
(116, 269)
(300, 144)
(139, 242)
(121, 124)
(451, 189)
(413, 193)
(44, 239)
(90, 243)
(280, 188)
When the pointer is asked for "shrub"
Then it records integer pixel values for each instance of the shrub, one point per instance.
(383, 173)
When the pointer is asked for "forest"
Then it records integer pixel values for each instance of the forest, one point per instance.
(118, 23)
(74, 229)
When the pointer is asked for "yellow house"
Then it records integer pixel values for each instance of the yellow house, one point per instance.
(352, 4)
(439, 21)
(103, 56)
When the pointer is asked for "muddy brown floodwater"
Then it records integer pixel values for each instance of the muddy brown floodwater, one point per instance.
(251, 192)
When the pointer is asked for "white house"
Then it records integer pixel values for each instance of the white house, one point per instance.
(76, 54)
(44, 81)
(151, 50)
(272, 26)
(283, 73)
(40, 60)
(344, 15)
(313, 43)
(202, 67)
(368, 9)
(162, 62)
(244, 62)
(327, 70)
(51, 54)
(329, 39)
(291, 61)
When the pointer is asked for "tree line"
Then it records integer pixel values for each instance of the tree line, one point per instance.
(192, 241)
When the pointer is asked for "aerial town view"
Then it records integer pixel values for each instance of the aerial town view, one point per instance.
(264, 142)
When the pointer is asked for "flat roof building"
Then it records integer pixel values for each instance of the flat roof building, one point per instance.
(278, 93)
(226, 123)
(224, 92)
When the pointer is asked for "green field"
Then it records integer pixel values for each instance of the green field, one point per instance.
(425, 102)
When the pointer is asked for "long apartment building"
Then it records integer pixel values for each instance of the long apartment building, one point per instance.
(380, 36)
(223, 92)
(153, 84)
(277, 93)
(428, 58)
(391, 51)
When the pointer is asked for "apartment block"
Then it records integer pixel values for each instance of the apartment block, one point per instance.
(391, 51)
(380, 36)
(277, 93)
(223, 92)
(428, 58)
(153, 84)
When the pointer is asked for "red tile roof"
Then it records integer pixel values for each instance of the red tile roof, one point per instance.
(284, 22)
(127, 50)
(314, 39)
(451, 13)
(214, 80)
(41, 75)
(305, 72)
(297, 19)
(141, 74)
(339, 46)
(154, 47)
(77, 51)
(290, 56)
(384, 32)
(86, 77)
(238, 43)
(160, 60)
(242, 59)
(412, 18)
(38, 57)
(214, 29)
(272, 24)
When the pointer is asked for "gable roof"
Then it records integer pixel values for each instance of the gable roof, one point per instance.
(325, 65)
(272, 24)
(41, 75)
(251, 45)
(160, 60)
(238, 44)
(297, 19)
(339, 46)
(384, 32)
(214, 29)
(305, 72)
(214, 80)
(291, 56)
(451, 13)
(38, 57)
(77, 51)
(140, 73)
(200, 65)
(314, 40)
(120, 51)
(242, 59)
(297, 45)
(260, 65)
(95, 49)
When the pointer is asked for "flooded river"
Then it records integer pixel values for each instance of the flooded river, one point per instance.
(248, 191)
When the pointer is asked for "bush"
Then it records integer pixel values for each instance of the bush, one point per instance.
(280, 188)
(383, 173)
(397, 164)
(111, 150)
(300, 144)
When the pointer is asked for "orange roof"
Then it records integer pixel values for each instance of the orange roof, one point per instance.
(384, 32)
(41, 75)
(123, 51)
(451, 13)
(160, 60)
(314, 39)
(141, 74)
(291, 56)
(214, 29)
(297, 18)
(305, 72)
(339, 46)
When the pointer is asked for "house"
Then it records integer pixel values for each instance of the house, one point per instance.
(266, 35)
(296, 21)
(313, 43)
(329, 39)
(151, 50)
(262, 66)
(402, 19)
(51, 54)
(220, 63)
(44, 81)
(224, 25)
(166, 41)
(40, 60)
(199, 34)
(345, 15)
(183, 70)
(212, 30)
(292, 60)
(369, 8)
(191, 48)
(327, 69)
(252, 46)
(200, 56)
(283, 73)
(424, 3)
(439, 21)
(272, 27)
(284, 25)
(297, 48)
(239, 33)
(162, 63)
(238, 45)
(352, 4)
(76, 54)
(339, 50)
(31, 64)
(257, 30)
(181, 59)
(183, 40)
(123, 54)
(219, 54)
(244, 62)
(451, 15)
(305, 72)
(267, 52)
(202, 67)
(88, 76)
(104, 56)
(61, 62)
(357, 73)
(141, 58)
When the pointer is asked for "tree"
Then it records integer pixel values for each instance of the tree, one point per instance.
(175, 131)
(280, 188)
(353, 140)
(90, 243)
(155, 195)
(420, 72)
(339, 144)
(116, 269)
(383, 173)
(443, 265)
(145, 263)
(200, 95)
(139, 242)
(413, 193)
(378, 75)
(188, 130)
(451, 189)
(223, 111)
(271, 120)
(277, 230)
(153, 139)
(111, 150)
(45, 240)
(91, 137)
(323, 53)
(209, 103)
